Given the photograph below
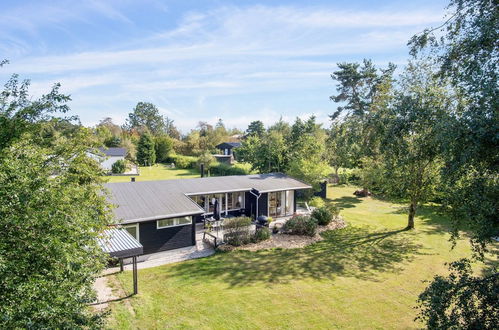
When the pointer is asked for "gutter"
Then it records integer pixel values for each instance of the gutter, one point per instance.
(257, 194)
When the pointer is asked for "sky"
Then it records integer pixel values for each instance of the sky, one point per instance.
(203, 60)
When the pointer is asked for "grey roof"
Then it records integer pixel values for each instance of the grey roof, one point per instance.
(119, 243)
(120, 152)
(152, 200)
(228, 145)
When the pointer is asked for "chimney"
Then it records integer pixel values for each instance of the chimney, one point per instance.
(202, 170)
(132, 179)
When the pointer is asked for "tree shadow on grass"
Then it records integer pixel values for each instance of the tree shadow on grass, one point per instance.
(431, 216)
(351, 252)
(346, 202)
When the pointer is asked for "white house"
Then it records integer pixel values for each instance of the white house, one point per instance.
(111, 156)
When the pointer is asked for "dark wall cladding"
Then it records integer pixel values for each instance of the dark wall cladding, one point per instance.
(263, 203)
(156, 240)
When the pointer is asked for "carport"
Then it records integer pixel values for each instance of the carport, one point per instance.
(118, 243)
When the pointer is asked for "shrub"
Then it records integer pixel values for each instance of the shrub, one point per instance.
(301, 225)
(316, 202)
(323, 215)
(183, 161)
(221, 169)
(118, 167)
(237, 231)
(261, 234)
(334, 209)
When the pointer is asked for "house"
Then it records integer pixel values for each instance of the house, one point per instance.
(162, 215)
(227, 154)
(111, 155)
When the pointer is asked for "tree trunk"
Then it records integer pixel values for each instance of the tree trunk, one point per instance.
(412, 213)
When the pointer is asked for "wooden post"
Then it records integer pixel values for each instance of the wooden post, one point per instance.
(121, 264)
(135, 286)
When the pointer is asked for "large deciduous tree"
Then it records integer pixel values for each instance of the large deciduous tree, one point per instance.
(146, 115)
(410, 147)
(51, 211)
(466, 49)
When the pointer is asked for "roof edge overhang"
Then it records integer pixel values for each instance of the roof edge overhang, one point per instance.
(159, 217)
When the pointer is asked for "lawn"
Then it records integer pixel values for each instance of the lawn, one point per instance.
(367, 275)
(157, 172)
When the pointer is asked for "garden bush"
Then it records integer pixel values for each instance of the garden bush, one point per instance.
(261, 234)
(301, 225)
(183, 162)
(316, 202)
(221, 169)
(237, 231)
(334, 209)
(118, 167)
(323, 215)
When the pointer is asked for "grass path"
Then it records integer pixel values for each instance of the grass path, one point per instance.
(367, 275)
(157, 172)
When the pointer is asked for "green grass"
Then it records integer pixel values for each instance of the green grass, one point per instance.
(157, 172)
(367, 275)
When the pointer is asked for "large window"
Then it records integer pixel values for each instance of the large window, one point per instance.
(281, 203)
(235, 200)
(133, 230)
(165, 223)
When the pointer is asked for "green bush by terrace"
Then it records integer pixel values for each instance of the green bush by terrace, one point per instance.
(316, 201)
(237, 231)
(301, 225)
(261, 234)
(323, 215)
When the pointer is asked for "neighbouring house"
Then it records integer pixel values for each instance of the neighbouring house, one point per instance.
(227, 154)
(162, 215)
(111, 155)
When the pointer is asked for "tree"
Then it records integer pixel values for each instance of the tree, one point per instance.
(363, 93)
(51, 211)
(207, 159)
(163, 147)
(146, 154)
(20, 114)
(410, 146)
(170, 129)
(466, 50)
(255, 128)
(146, 115)
(461, 300)
(341, 147)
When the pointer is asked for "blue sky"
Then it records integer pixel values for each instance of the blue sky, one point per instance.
(203, 60)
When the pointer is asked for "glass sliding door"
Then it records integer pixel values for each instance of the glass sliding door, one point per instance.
(276, 203)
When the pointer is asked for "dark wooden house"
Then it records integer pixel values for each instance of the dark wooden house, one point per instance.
(161, 215)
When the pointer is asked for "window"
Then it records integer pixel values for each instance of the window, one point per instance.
(235, 200)
(165, 223)
(133, 230)
(199, 199)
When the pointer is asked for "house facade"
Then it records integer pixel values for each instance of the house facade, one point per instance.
(227, 154)
(162, 215)
(108, 156)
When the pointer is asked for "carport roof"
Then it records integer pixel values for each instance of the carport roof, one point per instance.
(119, 243)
